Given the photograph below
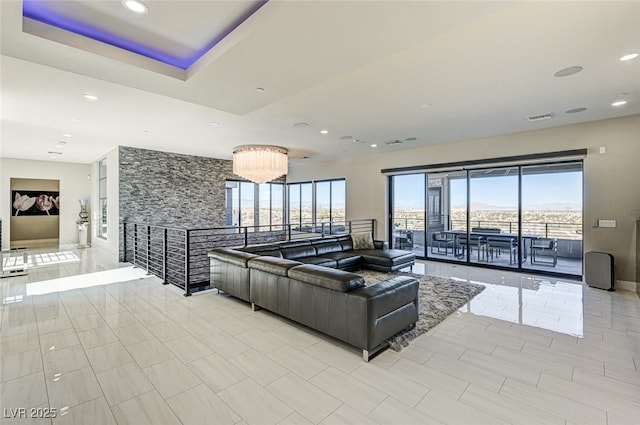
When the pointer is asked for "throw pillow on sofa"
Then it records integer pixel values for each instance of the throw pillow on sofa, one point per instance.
(362, 240)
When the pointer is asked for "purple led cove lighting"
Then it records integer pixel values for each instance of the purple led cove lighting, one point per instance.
(31, 9)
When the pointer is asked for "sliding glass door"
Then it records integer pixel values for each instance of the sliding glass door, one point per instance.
(408, 213)
(520, 217)
(493, 216)
(552, 218)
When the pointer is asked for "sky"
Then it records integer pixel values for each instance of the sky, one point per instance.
(538, 189)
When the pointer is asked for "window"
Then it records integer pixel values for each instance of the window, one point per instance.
(250, 204)
(300, 203)
(330, 201)
(328, 204)
(102, 199)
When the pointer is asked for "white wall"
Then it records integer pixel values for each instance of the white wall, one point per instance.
(74, 185)
(111, 243)
(610, 179)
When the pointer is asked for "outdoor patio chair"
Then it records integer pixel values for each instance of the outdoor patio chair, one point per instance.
(544, 247)
(441, 240)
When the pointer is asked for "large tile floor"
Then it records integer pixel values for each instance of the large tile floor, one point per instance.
(101, 343)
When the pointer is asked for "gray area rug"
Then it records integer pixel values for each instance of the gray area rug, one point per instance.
(438, 298)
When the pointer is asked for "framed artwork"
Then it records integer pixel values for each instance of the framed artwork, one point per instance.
(34, 202)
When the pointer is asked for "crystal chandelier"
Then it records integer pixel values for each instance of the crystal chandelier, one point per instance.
(259, 163)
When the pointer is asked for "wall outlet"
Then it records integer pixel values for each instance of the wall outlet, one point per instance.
(606, 223)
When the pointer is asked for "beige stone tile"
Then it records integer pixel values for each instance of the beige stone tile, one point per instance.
(96, 337)
(146, 409)
(129, 335)
(149, 352)
(348, 415)
(123, 382)
(18, 343)
(26, 391)
(254, 404)
(188, 349)
(58, 362)
(171, 377)
(354, 392)
(59, 340)
(20, 364)
(108, 356)
(430, 377)
(307, 399)
(216, 372)
(201, 406)
(448, 410)
(94, 412)
(408, 391)
(392, 411)
(298, 361)
(259, 367)
(73, 388)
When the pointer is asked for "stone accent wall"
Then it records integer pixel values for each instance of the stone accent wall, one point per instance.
(171, 189)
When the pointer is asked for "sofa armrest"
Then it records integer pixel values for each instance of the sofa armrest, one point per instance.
(380, 244)
(388, 307)
(273, 265)
(229, 255)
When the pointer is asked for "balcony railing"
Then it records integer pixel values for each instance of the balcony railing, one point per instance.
(572, 231)
(178, 255)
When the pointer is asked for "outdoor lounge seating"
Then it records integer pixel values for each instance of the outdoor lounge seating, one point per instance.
(497, 244)
(544, 251)
(440, 241)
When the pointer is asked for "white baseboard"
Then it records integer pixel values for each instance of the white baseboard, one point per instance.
(626, 285)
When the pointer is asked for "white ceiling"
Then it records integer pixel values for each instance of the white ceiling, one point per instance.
(357, 68)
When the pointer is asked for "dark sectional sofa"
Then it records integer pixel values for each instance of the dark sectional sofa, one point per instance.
(311, 282)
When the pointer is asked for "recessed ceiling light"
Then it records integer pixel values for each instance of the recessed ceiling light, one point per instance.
(135, 6)
(90, 97)
(324, 131)
(374, 145)
(425, 105)
(568, 71)
(61, 144)
(214, 123)
(629, 57)
(619, 103)
(301, 124)
(52, 156)
(76, 120)
(575, 110)
(66, 135)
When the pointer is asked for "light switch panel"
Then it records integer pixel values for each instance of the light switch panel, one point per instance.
(606, 223)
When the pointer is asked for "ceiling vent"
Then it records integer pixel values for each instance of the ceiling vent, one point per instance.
(540, 117)
(393, 142)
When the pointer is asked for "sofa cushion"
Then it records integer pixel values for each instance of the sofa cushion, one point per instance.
(346, 243)
(387, 257)
(292, 244)
(333, 279)
(258, 248)
(362, 240)
(270, 253)
(298, 252)
(323, 248)
(345, 259)
(277, 266)
(319, 261)
(232, 256)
